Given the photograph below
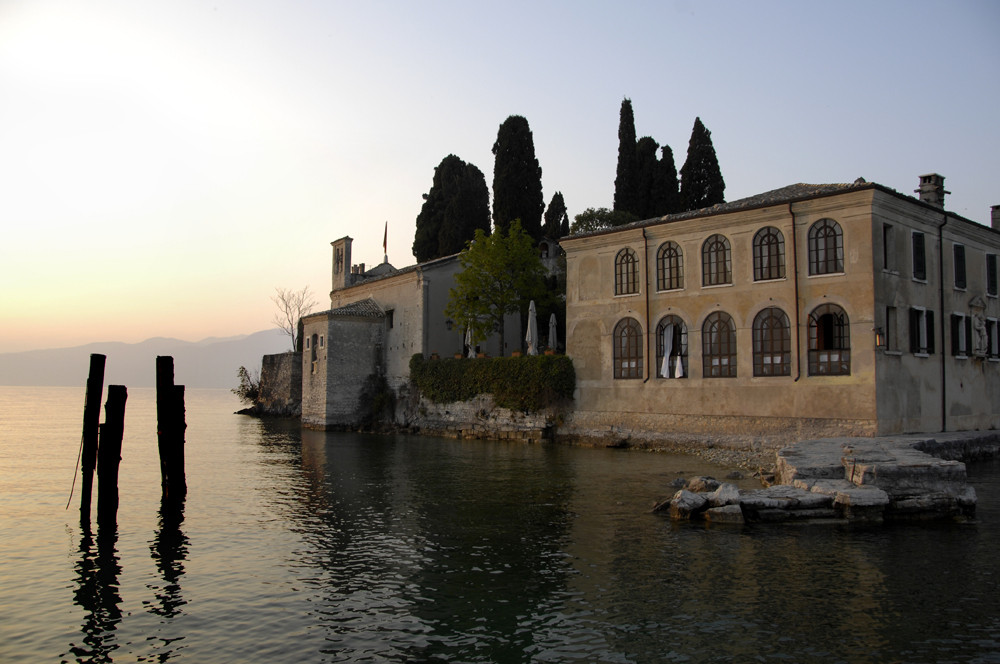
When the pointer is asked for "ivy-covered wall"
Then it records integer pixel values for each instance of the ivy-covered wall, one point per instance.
(528, 383)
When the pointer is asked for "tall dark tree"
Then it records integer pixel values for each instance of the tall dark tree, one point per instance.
(556, 220)
(625, 177)
(645, 173)
(457, 204)
(664, 195)
(701, 180)
(517, 179)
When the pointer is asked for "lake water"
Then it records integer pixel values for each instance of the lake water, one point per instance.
(299, 546)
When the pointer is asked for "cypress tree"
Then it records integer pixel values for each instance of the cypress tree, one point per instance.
(457, 204)
(517, 179)
(701, 180)
(625, 177)
(645, 172)
(664, 195)
(556, 220)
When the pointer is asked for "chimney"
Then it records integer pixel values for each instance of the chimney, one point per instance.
(995, 217)
(932, 189)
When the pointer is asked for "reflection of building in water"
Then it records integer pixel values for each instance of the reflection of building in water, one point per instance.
(812, 310)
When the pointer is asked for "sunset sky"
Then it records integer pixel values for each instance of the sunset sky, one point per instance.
(165, 165)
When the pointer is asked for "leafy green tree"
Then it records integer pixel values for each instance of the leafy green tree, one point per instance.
(556, 219)
(517, 179)
(457, 204)
(625, 176)
(701, 180)
(598, 219)
(500, 274)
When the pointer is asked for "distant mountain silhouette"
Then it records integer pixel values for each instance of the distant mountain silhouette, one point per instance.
(212, 362)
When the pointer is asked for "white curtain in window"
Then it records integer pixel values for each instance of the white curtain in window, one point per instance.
(668, 347)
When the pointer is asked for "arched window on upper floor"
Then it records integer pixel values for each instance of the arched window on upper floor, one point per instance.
(718, 344)
(669, 267)
(626, 272)
(772, 343)
(829, 341)
(716, 261)
(768, 254)
(671, 348)
(627, 340)
(826, 247)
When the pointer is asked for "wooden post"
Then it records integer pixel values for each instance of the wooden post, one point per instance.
(170, 429)
(164, 395)
(177, 483)
(91, 420)
(110, 455)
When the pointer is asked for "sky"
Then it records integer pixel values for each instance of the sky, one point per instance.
(166, 165)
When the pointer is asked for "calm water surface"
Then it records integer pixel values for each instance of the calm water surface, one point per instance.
(315, 547)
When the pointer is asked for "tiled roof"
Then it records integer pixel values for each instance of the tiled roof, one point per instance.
(367, 308)
(787, 194)
(380, 269)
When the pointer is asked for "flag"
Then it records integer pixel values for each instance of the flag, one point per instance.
(385, 239)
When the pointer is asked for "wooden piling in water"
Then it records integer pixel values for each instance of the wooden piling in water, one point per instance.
(170, 429)
(109, 455)
(91, 424)
(177, 481)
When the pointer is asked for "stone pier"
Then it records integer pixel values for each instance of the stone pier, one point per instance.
(901, 478)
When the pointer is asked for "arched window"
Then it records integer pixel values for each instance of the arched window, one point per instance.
(718, 343)
(768, 254)
(671, 346)
(628, 349)
(829, 341)
(716, 261)
(626, 272)
(772, 343)
(826, 247)
(669, 267)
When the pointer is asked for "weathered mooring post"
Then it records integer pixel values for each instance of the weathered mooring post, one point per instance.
(91, 423)
(109, 456)
(178, 481)
(170, 427)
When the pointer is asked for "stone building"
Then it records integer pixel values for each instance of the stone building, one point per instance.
(378, 319)
(808, 311)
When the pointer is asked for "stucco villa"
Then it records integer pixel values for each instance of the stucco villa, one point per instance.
(378, 319)
(808, 311)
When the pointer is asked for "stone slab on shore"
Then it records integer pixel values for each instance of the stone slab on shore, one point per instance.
(912, 477)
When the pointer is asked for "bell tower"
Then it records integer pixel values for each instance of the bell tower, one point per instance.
(341, 263)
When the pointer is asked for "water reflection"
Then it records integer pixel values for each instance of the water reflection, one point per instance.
(436, 550)
(97, 591)
(427, 549)
(169, 550)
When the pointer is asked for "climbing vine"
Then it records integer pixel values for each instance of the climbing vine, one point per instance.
(527, 383)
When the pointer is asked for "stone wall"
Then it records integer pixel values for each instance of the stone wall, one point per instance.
(281, 385)
(665, 429)
(477, 418)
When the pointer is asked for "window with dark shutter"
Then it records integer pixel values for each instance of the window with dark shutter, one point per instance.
(919, 257)
(958, 251)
